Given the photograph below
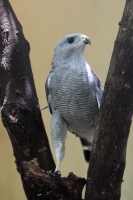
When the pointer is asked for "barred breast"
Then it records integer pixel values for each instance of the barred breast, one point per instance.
(73, 93)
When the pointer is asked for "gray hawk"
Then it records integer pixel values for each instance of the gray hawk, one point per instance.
(73, 94)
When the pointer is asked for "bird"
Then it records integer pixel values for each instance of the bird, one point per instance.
(74, 94)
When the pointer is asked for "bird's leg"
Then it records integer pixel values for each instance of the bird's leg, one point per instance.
(58, 133)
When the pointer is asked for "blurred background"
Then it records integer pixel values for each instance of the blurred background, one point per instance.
(44, 23)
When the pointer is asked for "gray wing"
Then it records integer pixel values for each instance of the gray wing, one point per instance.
(99, 92)
(84, 142)
(47, 93)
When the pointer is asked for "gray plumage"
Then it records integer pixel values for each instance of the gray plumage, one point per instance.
(73, 93)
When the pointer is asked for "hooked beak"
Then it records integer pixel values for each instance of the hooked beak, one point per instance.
(86, 40)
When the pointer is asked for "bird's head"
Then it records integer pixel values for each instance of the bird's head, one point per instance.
(71, 44)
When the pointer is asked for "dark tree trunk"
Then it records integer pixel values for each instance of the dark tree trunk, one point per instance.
(21, 116)
(18, 100)
(105, 174)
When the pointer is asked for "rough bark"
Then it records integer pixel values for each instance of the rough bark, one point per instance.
(105, 174)
(18, 100)
(21, 116)
(50, 186)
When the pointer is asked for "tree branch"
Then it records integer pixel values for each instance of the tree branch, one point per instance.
(107, 162)
(19, 103)
(47, 185)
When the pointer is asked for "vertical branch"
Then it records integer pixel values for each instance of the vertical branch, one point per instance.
(18, 100)
(107, 163)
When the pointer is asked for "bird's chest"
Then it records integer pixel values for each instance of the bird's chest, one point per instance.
(72, 81)
(73, 95)
(68, 85)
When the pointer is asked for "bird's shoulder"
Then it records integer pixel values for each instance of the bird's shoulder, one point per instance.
(99, 91)
(98, 83)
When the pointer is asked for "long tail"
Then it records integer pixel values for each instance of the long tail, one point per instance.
(85, 146)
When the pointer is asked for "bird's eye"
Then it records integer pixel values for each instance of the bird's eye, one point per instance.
(70, 40)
